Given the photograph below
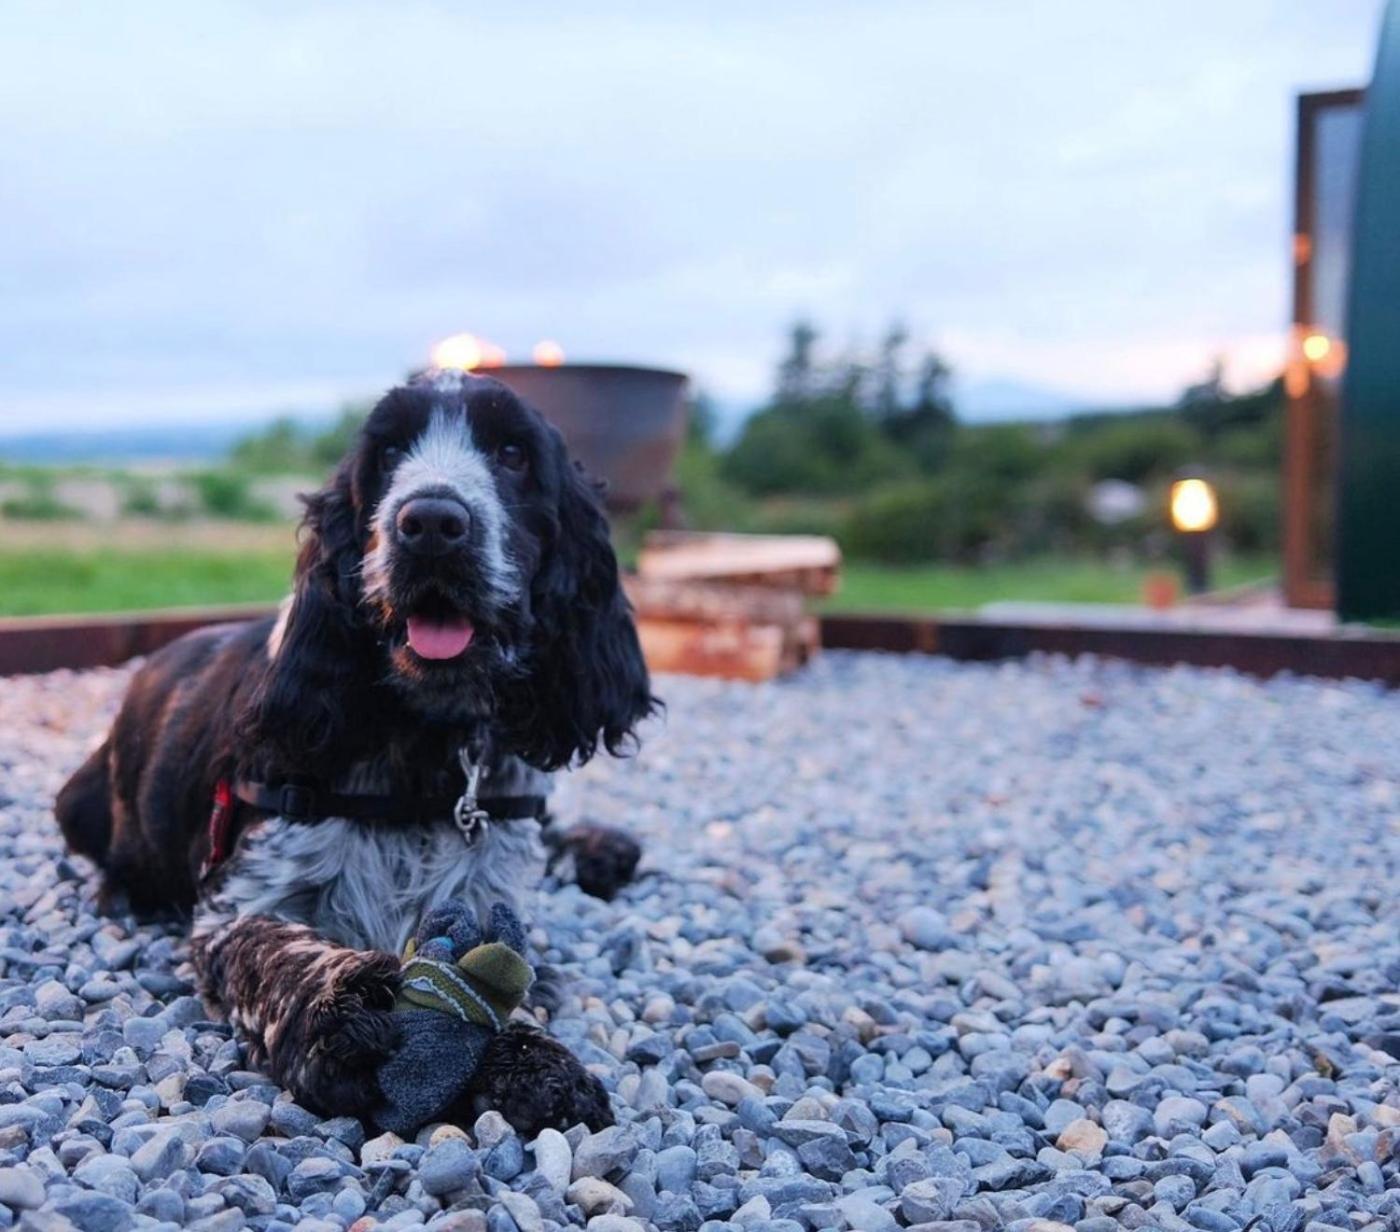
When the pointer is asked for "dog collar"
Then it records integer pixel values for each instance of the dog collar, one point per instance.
(303, 804)
(307, 804)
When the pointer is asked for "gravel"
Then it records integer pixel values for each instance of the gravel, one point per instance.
(1034, 946)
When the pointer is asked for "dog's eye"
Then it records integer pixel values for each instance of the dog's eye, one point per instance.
(512, 457)
(389, 456)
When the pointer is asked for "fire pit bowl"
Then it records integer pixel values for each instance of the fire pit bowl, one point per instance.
(624, 424)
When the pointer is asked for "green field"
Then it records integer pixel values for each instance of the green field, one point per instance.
(201, 565)
(932, 588)
(38, 583)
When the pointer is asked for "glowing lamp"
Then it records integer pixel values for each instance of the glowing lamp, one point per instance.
(1194, 513)
(548, 354)
(1194, 507)
(465, 352)
(1316, 347)
(459, 351)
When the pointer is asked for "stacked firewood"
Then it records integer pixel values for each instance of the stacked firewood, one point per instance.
(730, 605)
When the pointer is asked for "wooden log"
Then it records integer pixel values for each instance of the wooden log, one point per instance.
(733, 650)
(809, 563)
(673, 605)
(714, 601)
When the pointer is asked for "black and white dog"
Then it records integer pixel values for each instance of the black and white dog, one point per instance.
(311, 786)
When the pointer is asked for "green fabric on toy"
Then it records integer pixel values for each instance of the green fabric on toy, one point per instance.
(458, 990)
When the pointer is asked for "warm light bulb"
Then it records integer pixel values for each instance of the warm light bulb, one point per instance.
(460, 351)
(1316, 347)
(548, 354)
(1194, 506)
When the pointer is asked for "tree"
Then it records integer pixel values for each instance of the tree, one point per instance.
(701, 419)
(923, 426)
(796, 372)
(889, 371)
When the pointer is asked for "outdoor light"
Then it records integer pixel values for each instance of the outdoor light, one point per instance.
(465, 352)
(548, 354)
(1315, 353)
(1194, 513)
(1316, 347)
(1194, 507)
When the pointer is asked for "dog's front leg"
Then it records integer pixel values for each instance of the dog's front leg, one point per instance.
(316, 1015)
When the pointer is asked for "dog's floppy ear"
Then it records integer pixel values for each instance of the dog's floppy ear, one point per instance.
(587, 683)
(300, 709)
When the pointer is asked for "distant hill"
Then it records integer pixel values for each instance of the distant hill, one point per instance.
(994, 400)
(152, 443)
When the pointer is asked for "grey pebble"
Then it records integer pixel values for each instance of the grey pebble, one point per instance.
(448, 1166)
(915, 919)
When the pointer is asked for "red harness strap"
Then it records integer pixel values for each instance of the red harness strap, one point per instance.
(220, 819)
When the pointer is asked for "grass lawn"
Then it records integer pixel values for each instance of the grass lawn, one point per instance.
(38, 583)
(931, 588)
(85, 567)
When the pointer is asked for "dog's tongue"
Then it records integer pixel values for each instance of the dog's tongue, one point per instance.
(439, 639)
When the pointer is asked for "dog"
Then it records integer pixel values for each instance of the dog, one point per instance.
(309, 787)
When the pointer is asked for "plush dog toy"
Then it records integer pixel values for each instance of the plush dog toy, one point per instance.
(458, 990)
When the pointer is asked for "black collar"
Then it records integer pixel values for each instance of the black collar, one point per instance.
(301, 803)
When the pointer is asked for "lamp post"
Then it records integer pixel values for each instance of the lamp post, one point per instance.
(1194, 513)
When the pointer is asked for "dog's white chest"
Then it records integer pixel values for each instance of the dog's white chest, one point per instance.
(367, 885)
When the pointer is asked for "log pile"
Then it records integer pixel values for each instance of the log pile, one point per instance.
(730, 605)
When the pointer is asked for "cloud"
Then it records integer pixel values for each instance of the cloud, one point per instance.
(240, 196)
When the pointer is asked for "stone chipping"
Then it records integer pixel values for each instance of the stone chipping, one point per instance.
(1041, 945)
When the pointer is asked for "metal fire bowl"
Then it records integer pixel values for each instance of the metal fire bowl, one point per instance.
(625, 424)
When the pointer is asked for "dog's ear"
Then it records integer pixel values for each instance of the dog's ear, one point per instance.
(586, 682)
(299, 710)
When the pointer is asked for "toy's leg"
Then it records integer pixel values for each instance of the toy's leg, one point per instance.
(316, 1015)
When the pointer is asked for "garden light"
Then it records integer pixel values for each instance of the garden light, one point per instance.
(1316, 347)
(1194, 513)
(1194, 507)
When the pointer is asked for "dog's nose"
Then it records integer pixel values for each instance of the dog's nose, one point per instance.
(432, 526)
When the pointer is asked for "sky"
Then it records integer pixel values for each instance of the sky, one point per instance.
(213, 210)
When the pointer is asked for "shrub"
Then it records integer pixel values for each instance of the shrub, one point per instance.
(825, 446)
(998, 453)
(227, 494)
(38, 502)
(708, 501)
(1256, 447)
(139, 498)
(951, 517)
(1135, 449)
(1249, 512)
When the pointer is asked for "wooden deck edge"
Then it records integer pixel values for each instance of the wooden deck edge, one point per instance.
(1343, 656)
(32, 644)
(44, 644)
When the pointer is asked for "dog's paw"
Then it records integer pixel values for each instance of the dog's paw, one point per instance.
(600, 859)
(536, 1083)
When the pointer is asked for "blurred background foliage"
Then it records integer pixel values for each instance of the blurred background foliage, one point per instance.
(869, 448)
(865, 445)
